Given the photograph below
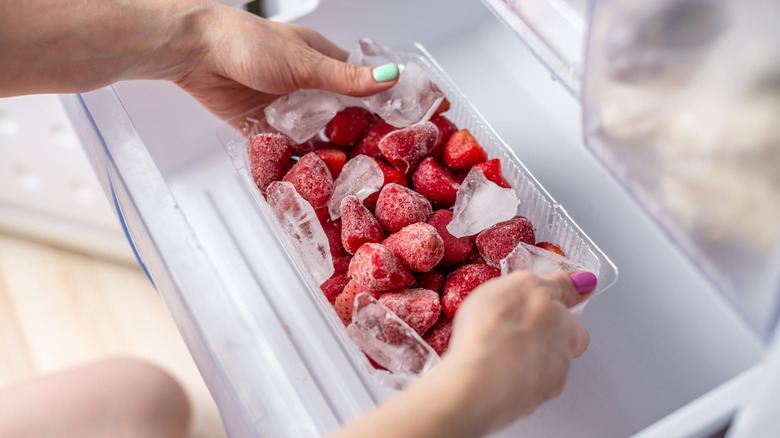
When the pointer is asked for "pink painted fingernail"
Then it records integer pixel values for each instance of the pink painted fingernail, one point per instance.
(583, 281)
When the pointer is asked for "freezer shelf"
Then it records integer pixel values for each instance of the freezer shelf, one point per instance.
(660, 338)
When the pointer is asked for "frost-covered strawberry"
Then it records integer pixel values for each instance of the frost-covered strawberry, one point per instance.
(419, 308)
(498, 241)
(333, 232)
(406, 148)
(369, 145)
(446, 129)
(358, 225)
(333, 286)
(492, 171)
(456, 249)
(431, 280)
(345, 302)
(461, 282)
(311, 178)
(376, 268)
(434, 181)
(463, 151)
(335, 159)
(443, 106)
(418, 246)
(269, 158)
(438, 337)
(392, 175)
(349, 126)
(399, 206)
(551, 247)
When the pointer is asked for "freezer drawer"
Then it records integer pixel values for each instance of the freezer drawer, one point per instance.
(661, 338)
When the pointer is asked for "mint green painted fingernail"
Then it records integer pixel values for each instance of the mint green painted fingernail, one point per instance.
(386, 72)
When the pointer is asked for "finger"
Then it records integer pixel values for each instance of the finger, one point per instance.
(579, 340)
(570, 287)
(352, 80)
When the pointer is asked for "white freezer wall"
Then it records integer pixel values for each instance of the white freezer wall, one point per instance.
(660, 338)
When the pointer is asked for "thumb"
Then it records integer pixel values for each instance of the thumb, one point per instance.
(352, 80)
(571, 288)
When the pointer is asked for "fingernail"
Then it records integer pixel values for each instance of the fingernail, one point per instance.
(386, 72)
(583, 281)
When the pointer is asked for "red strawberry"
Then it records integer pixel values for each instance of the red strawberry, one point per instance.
(322, 214)
(492, 171)
(431, 280)
(311, 178)
(369, 145)
(475, 258)
(443, 106)
(398, 206)
(434, 181)
(341, 264)
(406, 148)
(463, 151)
(461, 282)
(374, 363)
(376, 268)
(420, 308)
(392, 175)
(438, 337)
(333, 286)
(349, 126)
(456, 249)
(358, 225)
(446, 129)
(345, 302)
(333, 232)
(269, 155)
(418, 246)
(551, 247)
(498, 241)
(334, 159)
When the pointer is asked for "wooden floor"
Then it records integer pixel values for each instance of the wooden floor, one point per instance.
(59, 309)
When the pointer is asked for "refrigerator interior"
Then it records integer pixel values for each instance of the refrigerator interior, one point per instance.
(660, 338)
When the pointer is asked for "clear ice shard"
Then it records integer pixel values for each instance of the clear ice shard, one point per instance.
(303, 113)
(360, 177)
(299, 221)
(480, 204)
(413, 99)
(384, 337)
(536, 260)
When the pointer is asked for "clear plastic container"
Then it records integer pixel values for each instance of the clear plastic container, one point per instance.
(550, 219)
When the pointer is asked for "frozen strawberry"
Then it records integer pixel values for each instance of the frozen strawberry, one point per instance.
(443, 106)
(498, 241)
(438, 337)
(333, 232)
(376, 268)
(463, 151)
(398, 206)
(431, 280)
(392, 175)
(374, 363)
(269, 155)
(303, 148)
(551, 247)
(418, 246)
(322, 214)
(345, 302)
(434, 181)
(341, 264)
(369, 145)
(349, 126)
(358, 225)
(419, 308)
(492, 171)
(311, 178)
(461, 282)
(333, 286)
(406, 148)
(334, 159)
(475, 257)
(456, 249)
(446, 129)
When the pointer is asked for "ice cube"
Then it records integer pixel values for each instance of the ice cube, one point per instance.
(303, 113)
(413, 99)
(480, 204)
(388, 340)
(536, 260)
(299, 221)
(360, 177)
